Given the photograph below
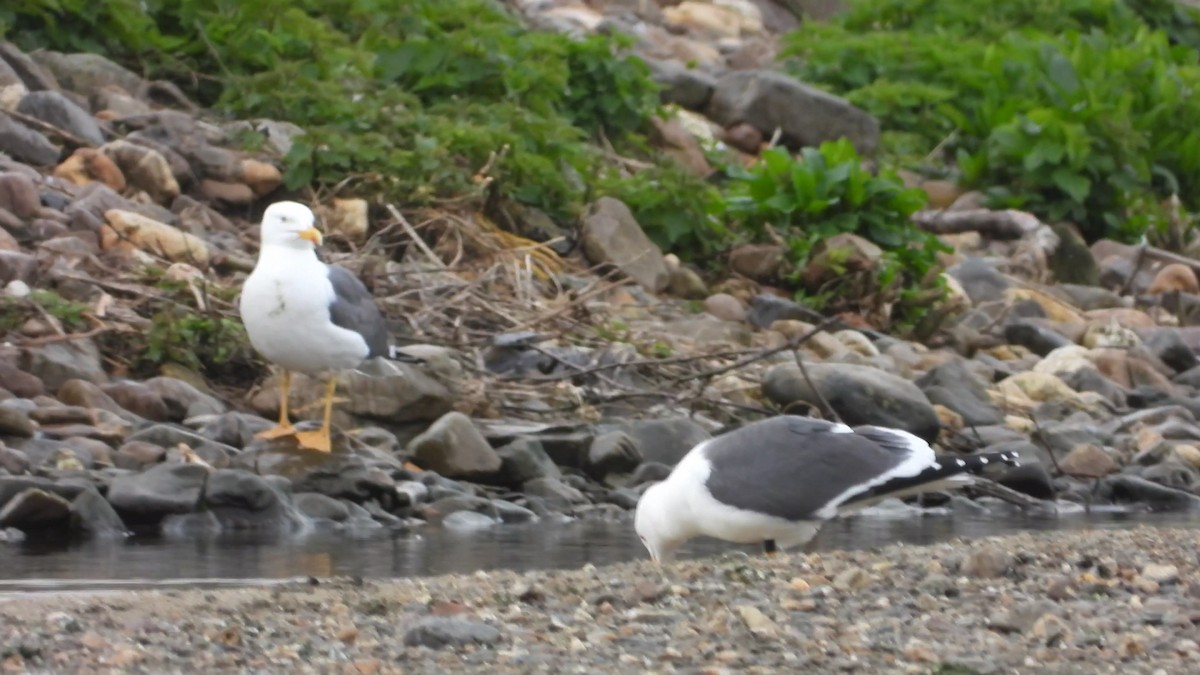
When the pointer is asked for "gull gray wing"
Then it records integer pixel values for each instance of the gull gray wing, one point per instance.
(797, 468)
(354, 308)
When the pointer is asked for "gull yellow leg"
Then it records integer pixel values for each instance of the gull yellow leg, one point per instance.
(319, 439)
(284, 428)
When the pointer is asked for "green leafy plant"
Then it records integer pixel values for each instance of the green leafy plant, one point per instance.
(14, 312)
(1068, 109)
(408, 98)
(824, 192)
(205, 343)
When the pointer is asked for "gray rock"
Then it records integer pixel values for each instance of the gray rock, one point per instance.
(1090, 379)
(184, 400)
(26, 145)
(17, 266)
(1036, 338)
(19, 195)
(15, 422)
(1126, 488)
(157, 492)
(394, 392)
(136, 398)
(11, 486)
(454, 447)
(348, 478)
(649, 473)
(233, 429)
(981, 281)
(190, 525)
(556, 494)
(34, 510)
(859, 395)
(1167, 345)
(1061, 438)
(1032, 479)
(468, 520)
(35, 77)
(244, 501)
(1172, 474)
(14, 461)
(664, 440)
(439, 632)
(278, 136)
(1022, 617)
(1072, 261)
(54, 108)
(611, 235)
(412, 492)
(93, 515)
(1088, 298)
(952, 385)
(46, 452)
(612, 453)
(706, 329)
(525, 459)
(57, 362)
(513, 513)
(766, 309)
(767, 100)
(168, 436)
(567, 448)
(86, 73)
(689, 88)
(444, 507)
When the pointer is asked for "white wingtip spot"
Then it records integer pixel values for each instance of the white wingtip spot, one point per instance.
(983, 460)
(960, 462)
(937, 466)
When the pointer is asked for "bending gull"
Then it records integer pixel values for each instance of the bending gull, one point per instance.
(778, 479)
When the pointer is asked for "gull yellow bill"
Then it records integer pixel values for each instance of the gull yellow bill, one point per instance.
(312, 234)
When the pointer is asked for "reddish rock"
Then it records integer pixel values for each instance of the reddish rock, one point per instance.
(1175, 277)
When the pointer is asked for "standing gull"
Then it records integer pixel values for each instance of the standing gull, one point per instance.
(306, 316)
(777, 479)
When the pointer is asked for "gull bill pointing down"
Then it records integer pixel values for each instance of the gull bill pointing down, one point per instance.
(776, 480)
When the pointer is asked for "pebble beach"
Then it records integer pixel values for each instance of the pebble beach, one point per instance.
(1090, 601)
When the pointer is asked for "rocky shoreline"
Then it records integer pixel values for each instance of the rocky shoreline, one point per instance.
(1104, 601)
(128, 401)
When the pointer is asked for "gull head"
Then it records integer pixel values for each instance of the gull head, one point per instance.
(660, 533)
(290, 224)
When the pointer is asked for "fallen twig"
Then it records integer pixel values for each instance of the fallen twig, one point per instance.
(416, 238)
(48, 128)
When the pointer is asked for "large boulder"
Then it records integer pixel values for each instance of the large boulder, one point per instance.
(766, 100)
(858, 394)
(454, 447)
(611, 235)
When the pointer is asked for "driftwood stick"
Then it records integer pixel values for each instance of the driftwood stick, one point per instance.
(1007, 224)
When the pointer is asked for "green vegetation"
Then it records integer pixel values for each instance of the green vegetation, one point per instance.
(209, 344)
(1074, 110)
(409, 97)
(14, 312)
(824, 192)
(1068, 109)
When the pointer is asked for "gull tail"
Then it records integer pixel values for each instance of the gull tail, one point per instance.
(947, 471)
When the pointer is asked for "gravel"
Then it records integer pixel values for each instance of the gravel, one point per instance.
(1103, 601)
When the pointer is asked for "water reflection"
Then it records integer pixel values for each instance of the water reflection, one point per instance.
(241, 559)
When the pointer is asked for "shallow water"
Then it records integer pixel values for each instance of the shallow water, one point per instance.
(238, 560)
